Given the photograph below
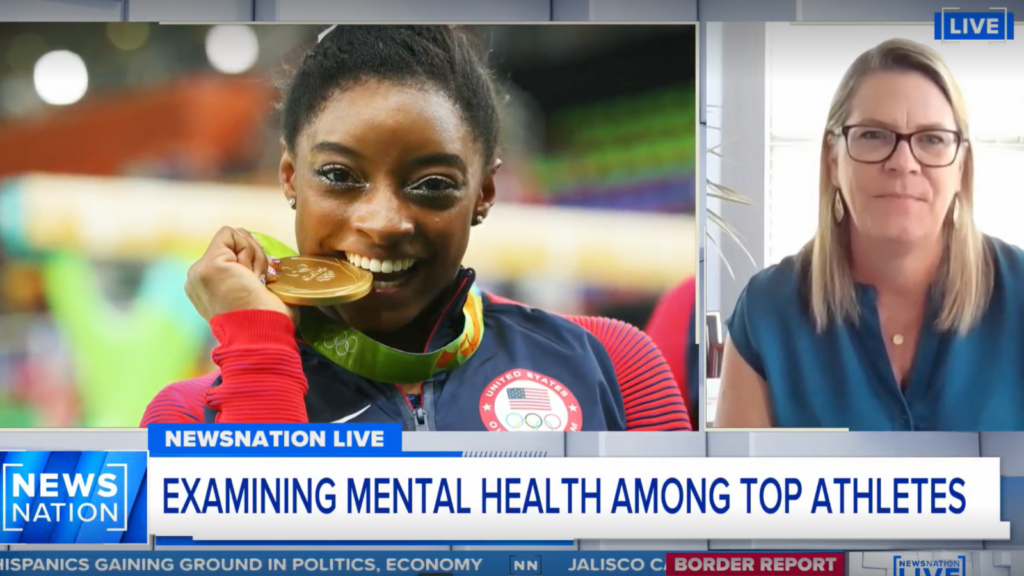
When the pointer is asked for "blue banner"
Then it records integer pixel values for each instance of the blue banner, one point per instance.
(279, 440)
(953, 25)
(74, 498)
(528, 563)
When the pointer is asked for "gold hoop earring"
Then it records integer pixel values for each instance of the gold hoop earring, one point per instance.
(838, 210)
(956, 210)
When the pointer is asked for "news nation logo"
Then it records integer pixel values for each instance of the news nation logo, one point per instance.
(913, 567)
(73, 498)
(951, 25)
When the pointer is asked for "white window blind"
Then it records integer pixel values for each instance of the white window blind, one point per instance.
(806, 63)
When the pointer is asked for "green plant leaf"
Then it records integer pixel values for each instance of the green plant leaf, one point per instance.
(727, 194)
(721, 255)
(723, 192)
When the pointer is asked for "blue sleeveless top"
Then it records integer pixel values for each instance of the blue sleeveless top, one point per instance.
(842, 378)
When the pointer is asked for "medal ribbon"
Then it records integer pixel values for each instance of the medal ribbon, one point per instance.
(362, 355)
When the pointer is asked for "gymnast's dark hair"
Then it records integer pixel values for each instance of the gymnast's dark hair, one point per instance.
(446, 58)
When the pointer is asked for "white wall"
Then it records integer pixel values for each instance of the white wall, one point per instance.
(742, 166)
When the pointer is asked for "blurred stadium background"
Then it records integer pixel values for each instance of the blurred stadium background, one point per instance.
(124, 146)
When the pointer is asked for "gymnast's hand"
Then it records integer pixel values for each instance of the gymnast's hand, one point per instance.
(232, 276)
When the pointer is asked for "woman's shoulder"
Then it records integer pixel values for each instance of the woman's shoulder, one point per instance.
(770, 305)
(1007, 258)
(777, 284)
(1007, 262)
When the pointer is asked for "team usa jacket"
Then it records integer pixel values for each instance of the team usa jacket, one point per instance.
(582, 373)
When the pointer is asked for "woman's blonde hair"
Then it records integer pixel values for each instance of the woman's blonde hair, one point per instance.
(965, 279)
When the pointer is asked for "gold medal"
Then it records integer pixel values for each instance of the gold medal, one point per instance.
(319, 281)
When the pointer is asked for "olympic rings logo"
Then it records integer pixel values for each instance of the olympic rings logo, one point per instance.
(533, 421)
(343, 344)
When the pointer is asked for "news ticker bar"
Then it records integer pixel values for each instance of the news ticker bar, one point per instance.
(455, 563)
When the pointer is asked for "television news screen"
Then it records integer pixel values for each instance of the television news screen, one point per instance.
(478, 287)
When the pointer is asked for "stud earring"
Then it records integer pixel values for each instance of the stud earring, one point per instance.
(478, 220)
(291, 203)
(838, 210)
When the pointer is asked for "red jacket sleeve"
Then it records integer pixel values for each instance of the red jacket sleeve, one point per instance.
(649, 392)
(179, 403)
(262, 380)
(668, 329)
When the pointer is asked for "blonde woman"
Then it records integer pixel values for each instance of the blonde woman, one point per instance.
(899, 314)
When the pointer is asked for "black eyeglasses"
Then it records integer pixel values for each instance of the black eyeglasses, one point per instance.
(874, 145)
